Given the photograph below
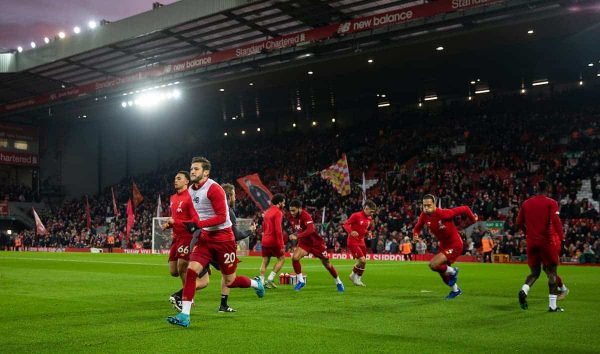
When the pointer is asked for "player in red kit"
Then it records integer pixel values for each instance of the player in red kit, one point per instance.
(356, 227)
(309, 241)
(539, 219)
(216, 242)
(182, 211)
(440, 223)
(272, 240)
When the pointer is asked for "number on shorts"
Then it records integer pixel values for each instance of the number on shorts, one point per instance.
(229, 257)
(183, 249)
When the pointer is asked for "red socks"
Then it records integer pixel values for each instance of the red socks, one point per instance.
(559, 281)
(332, 271)
(241, 282)
(297, 267)
(358, 271)
(189, 289)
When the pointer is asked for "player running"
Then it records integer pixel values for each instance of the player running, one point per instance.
(309, 241)
(539, 219)
(440, 223)
(356, 227)
(182, 212)
(272, 240)
(216, 242)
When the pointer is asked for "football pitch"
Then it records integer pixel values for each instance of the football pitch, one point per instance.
(70, 302)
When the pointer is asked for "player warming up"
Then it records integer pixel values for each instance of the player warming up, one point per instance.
(182, 212)
(539, 219)
(440, 223)
(356, 227)
(272, 240)
(216, 241)
(309, 241)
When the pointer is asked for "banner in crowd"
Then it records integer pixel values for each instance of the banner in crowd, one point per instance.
(400, 16)
(40, 229)
(4, 208)
(338, 175)
(380, 256)
(494, 226)
(258, 192)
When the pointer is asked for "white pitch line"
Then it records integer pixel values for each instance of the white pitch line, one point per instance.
(165, 264)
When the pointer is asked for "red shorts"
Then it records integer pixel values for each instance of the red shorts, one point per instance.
(558, 243)
(358, 251)
(180, 249)
(546, 253)
(314, 244)
(452, 252)
(222, 253)
(272, 251)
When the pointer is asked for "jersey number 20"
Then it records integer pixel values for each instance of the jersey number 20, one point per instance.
(229, 257)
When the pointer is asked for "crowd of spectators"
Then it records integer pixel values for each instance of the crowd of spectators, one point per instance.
(488, 156)
(17, 193)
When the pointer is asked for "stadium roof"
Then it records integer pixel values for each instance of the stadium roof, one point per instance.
(201, 42)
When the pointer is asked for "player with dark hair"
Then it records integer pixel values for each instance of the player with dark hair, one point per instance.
(182, 212)
(539, 219)
(309, 241)
(356, 227)
(272, 240)
(440, 223)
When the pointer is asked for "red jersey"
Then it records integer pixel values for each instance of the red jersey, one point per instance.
(360, 223)
(303, 225)
(272, 228)
(441, 224)
(182, 211)
(539, 219)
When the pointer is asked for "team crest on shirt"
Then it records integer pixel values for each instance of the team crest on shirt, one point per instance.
(179, 210)
(450, 251)
(441, 225)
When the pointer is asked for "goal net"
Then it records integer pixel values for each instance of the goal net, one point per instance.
(244, 245)
(161, 239)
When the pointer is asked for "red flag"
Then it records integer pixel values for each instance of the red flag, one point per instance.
(115, 209)
(256, 190)
(39, 227)
(130, 220)
(137, 196)
(88, 217)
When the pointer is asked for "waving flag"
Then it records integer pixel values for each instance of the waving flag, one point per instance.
(159, 209)
(130, 220)
(39, 227)
(339, 176)
(137, 196)
(115, 209)
(258, 192)
(88, 216)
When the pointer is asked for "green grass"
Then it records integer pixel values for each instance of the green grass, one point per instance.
(118, 303)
